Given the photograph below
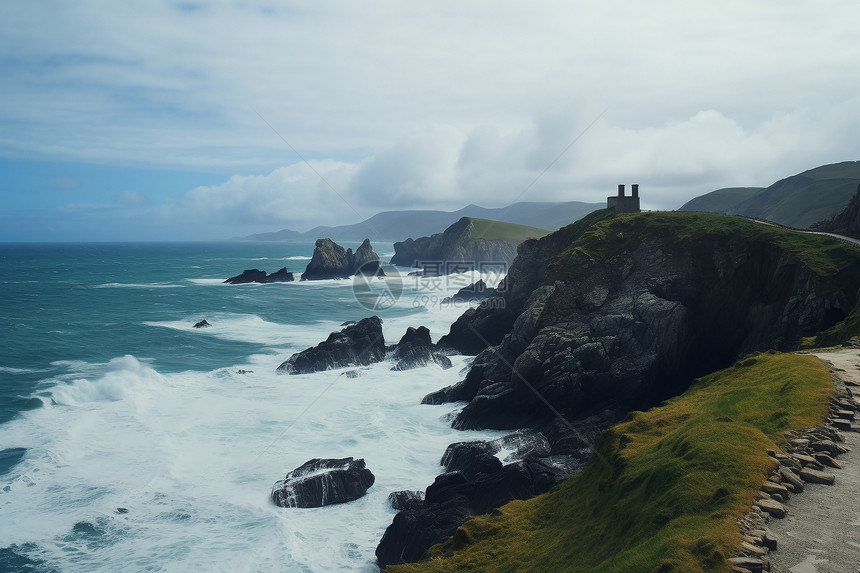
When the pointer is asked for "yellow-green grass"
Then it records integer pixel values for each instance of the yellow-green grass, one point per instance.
(488, 229)
(665, 488)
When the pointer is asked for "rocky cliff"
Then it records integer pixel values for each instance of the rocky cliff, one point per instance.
(847, 222)
(331, 261)
(459, 243)
(619, 312)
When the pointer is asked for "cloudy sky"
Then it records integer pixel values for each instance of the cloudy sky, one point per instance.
(163, 120)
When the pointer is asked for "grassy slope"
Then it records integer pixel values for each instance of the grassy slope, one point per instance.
(696, 232)
(720, 200)
(665, 488)
(487, 229)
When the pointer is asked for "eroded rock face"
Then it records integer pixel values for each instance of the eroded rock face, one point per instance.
(628, 332)
(331, 261)
(454, 245)
(320, 482)
(359, 344)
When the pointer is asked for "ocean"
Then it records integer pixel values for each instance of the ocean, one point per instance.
(129, 440)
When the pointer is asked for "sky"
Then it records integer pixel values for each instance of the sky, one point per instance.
(160, 120)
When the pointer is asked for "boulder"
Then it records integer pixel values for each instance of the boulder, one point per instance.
(771, 507)
(415, 349)
(815, 476)
(202, 324)
(359, 344)
(320, 482)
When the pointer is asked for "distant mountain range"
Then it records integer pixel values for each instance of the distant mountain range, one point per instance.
(399, 225)
(797, 201)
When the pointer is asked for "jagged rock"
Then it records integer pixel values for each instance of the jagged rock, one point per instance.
(475, 291)
(357, 345)
(331, 261)
(524, 444)
(476, 483)
(320, 482)
(815, 476)
(406, 499)
(413, 531)
(258, 276)
(415, 349)
(202, 324)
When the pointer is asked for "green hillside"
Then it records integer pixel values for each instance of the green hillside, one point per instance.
(721, 200)
(487, 229)
(797, 201)
(665, 488)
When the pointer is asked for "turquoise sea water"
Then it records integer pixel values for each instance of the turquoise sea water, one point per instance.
(131, 441)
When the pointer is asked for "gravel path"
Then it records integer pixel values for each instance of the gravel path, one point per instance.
(821, 533)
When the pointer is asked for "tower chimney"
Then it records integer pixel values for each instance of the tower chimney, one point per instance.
(635, 189)
(621, 190)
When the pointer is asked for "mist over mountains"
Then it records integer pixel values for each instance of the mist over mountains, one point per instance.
(398, 225)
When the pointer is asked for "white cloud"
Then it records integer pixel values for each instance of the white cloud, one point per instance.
(405, 105)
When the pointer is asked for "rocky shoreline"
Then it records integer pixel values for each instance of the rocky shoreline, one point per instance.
(811, 459)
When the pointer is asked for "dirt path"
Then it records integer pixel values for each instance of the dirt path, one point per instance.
(821, 533)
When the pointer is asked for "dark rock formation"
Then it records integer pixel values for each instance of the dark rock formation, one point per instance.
(320, 482)
(359, 344)
(847, 222)
(475, 291)
(202, 324)
(476, 482)
(415, 349)
(258, 276)
(331, 261)
(455, 245)
(609, 335)
(406, 499)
